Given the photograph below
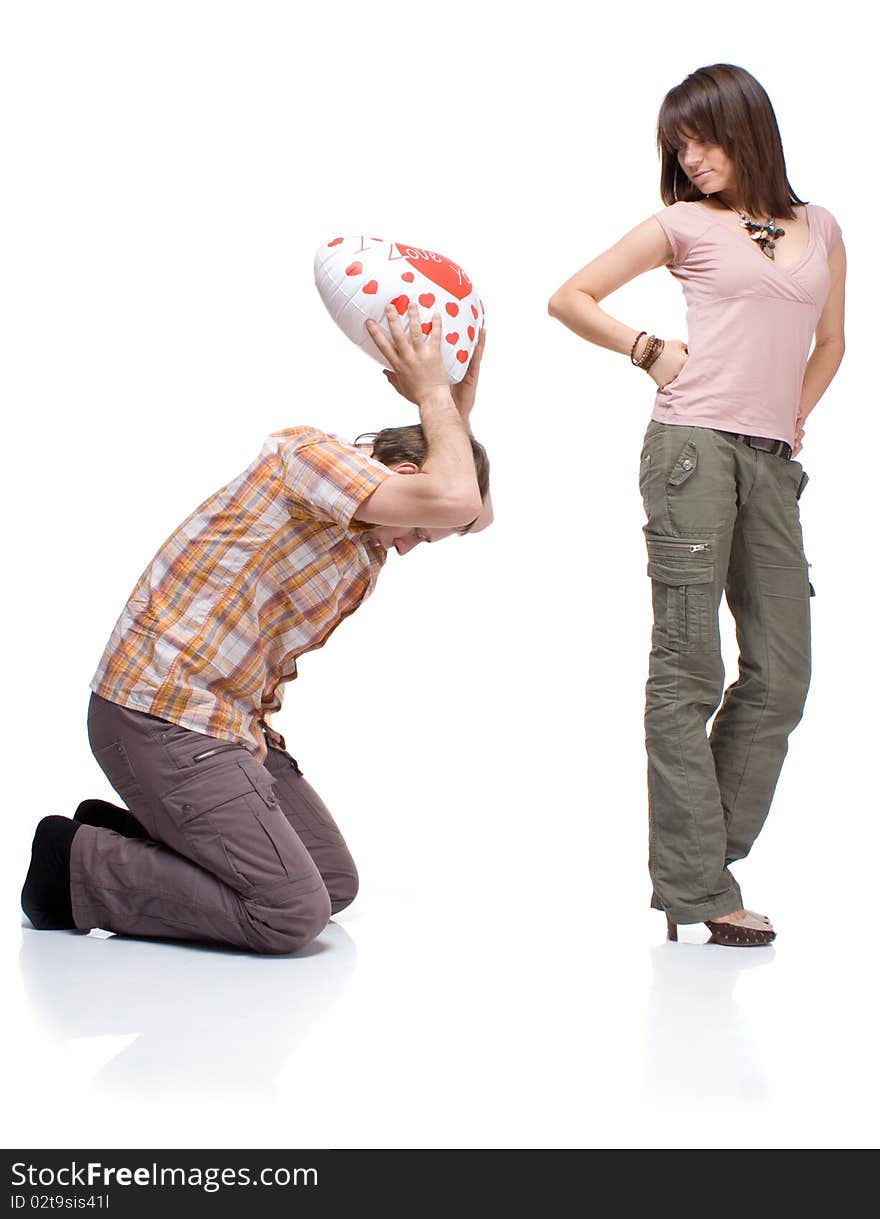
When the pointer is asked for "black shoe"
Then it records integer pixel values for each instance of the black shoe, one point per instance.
(45, 897)
(109, 817)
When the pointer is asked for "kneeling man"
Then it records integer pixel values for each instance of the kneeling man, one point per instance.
(224, 839)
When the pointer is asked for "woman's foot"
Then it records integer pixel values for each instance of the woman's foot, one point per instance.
(741, 929)
(746, 918)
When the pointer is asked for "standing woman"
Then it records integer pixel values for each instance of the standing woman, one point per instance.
(762, 272)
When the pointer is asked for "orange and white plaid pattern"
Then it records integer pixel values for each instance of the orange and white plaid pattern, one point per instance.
(261, 572)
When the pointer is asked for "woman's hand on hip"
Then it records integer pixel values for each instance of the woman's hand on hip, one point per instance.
(798, 435)
(669, 363)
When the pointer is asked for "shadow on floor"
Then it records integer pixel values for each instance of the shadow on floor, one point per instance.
(700, 1046)
(204, 1019)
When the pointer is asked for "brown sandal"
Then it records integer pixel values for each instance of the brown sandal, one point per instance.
(732, 935)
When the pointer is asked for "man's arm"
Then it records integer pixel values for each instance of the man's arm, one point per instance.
(444, 493)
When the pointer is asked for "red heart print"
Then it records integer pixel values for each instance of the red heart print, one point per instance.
(452, 337)
(445, 274)
(401, 304)
(471, 333)
(335, 241)
(474, 312)
(427, 299)
(427, 327)
(408, 276)
(452, 309)
(354, 268)
(461, 356)
(371, 288)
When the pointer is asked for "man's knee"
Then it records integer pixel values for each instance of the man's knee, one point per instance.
(291, 925)
(343, 889)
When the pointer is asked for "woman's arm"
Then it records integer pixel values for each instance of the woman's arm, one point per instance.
(576, 303)
(829, 345)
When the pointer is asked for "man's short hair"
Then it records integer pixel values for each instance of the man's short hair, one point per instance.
(395, 445)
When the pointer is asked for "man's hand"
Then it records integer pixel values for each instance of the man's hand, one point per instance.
(464, 393)
(442, 492)
(416, 362)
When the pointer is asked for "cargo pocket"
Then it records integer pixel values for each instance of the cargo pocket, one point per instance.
(685, 465)
(114, 762)
(682, 578)
(234, 827)
(647, 463)
(185, 747)
(797, 476)
(651, 468)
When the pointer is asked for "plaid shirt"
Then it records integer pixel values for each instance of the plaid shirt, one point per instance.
(261, 572)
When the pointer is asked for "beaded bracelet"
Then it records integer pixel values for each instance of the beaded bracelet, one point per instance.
(648, 347)
(653, 348)
(650, 357)
(632, 350)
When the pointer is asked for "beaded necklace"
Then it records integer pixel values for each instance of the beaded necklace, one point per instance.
(762, 232)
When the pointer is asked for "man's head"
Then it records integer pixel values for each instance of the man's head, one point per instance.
(404, 449)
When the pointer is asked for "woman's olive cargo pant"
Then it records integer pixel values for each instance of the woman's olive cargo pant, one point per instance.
(722, 517)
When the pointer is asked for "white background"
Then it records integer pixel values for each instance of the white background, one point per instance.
(169, 170)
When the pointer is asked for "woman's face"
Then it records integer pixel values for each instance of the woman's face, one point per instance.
(707, 165)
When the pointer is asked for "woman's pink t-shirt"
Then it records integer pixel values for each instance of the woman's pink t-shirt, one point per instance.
(750, 322)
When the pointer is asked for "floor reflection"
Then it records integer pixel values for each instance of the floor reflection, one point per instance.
(700, 1044)
(205, 1019)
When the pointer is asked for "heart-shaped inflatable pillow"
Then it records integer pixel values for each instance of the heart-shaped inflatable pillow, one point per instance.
(358, 276)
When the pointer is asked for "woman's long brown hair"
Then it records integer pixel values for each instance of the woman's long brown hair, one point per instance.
(724, 104)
